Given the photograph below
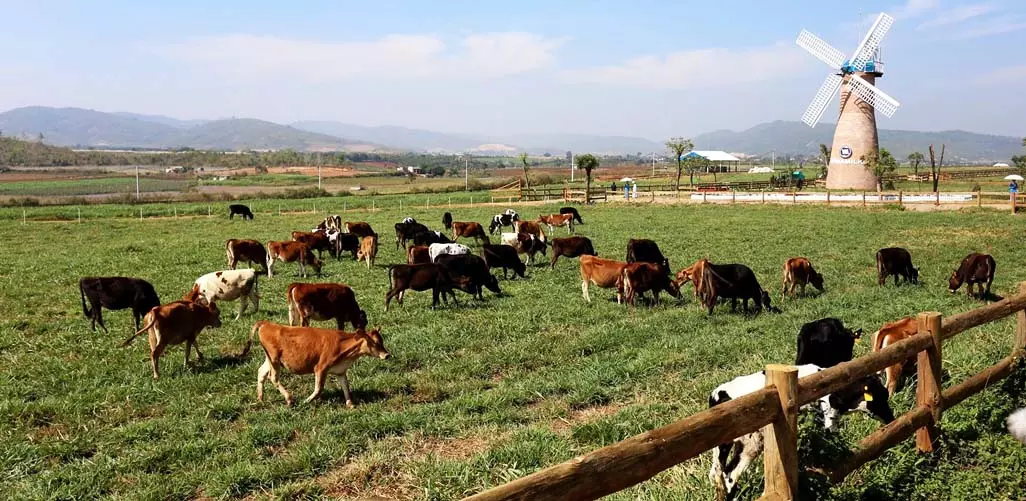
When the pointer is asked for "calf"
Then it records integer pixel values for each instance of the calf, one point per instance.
(176, 323)
(469, 230)
(554, 220)
(435, 250)
(531, 228)
(419, 277)
(826, 342)
(324, 302)
(798, 272)
(889, 334)
(447, 221)
(306, 350)
(241, 210)
(571, 247)
(639, 278)
(975, 269)
(500, 221)
(359, 229)
(227, 285)
(405, 231)
(430, 237)
(368, 249)
(865, 395)
(898, 262)
(317, 241)
(732, 281)
(291, 252)
(645, 250)
(249, 251)
(331, 223)
(346, 242)
(505, 257)
(116, 293)
(470, 273)
(418, 254)
(604, 273)
(573, 212)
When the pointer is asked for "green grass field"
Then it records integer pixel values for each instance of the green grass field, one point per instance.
(75, 187)
(474, 395)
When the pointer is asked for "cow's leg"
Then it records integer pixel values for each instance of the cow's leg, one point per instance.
(277, 384)
(881, 278)
(195, 344)
(318, 385)
(584, 289)
(344, 383)
(156, 350)
(188, 348)
(751, 447)
(783, 288)
(302, 269)
(893, 375)
(270, 266)
(801, 290)
(716, 473)
(262, 373)
(733, 304)
(137, 316)
(434, 297)
(98, 319)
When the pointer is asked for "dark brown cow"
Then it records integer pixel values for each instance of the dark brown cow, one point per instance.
(505, 257)
(249, 251)
(975, 269)
(116, 293)
(418, 254)
(359, 229)
(291, 252)
(641, 277)
(419, 277)
(316, 241)
(324, 302)
(604, 273)
(798, 272)
(469, 230)
(898, 262)
(405, 231)
(571, 247)
(175, 323)
(646, 251)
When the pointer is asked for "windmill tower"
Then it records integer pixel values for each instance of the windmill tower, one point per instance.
(855, 136)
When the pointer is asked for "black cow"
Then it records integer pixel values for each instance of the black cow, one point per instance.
(571, 247)
(501, 220)
(405, 231)
(241, 210)
(116, 293)
(976, 269)
(826, 342)
(431, 237)
(898, 262)
(346, 242)
(505, 257)
(645, 250)
(419, 277)
(447, 221)
(469, 273)
(732, 281)
(571, 210)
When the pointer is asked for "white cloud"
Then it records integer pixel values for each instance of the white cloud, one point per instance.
(913, 8)
(697, 68)
(957, 15)
(995, 26)
(1002, 76)
(419, 56)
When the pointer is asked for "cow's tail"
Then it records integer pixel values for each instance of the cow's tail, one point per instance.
(149, 320)
(390, 270)
(877, 342)
(228, 252)
(85, 309)
(249, 341)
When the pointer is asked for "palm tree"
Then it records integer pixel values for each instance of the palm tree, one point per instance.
(588, 162)
(824, 154)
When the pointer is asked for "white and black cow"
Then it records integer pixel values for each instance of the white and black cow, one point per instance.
(227, 285)
(826, 342)
(500, 221)
(867, 395)
(408, 220)
(435, 250)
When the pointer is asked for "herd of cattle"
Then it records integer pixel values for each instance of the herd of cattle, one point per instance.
(437, 262)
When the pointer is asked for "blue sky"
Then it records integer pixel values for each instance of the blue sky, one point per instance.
(642, 68)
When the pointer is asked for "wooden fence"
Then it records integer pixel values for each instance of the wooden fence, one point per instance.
(774, 409)
(565, 194)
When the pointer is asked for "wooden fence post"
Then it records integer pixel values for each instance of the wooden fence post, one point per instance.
(733, 197)
(979, 198)
(937, 199)
(828, 197)
(704, 193)
(781, 436)
(900, 197)
(79, 214)
(794, 197)
(928, 390)
(764, 196)
(1020, 327)
(863, 198)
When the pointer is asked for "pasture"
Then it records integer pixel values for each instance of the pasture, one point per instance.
(474, 395)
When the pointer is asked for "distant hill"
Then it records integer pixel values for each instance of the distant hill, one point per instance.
(395, 137)
(584, 143)
(161, 119)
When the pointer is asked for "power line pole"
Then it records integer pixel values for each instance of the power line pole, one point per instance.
(318, 170)
(571, 167)
(466, 172)
(137, 182)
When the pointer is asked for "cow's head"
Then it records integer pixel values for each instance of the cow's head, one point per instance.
(865, 395)
(360, 322)
(373, 344)
(816, 280)
(492, 284)
(955, 282)
(194, 295)
(914, 275)
(857, 334)
(212, 314)
(315, 263)
(495, 224)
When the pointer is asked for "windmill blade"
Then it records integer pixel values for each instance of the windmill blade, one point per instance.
(871, 94)
(823, 98)
(822, 50)
(872, 41)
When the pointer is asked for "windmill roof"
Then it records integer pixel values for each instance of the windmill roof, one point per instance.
(714, 156)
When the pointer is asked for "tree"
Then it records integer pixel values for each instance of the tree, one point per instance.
(881, 163)
(523, 160)
(935, 167)
(679, 146)
(588, 162)
(824, 155)
(1020, 160)
(914, 159)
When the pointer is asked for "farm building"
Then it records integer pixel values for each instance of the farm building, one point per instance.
(719, 161)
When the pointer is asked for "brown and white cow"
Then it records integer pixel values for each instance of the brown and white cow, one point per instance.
(249, 251)
(798, 272)
(176, 323)
(292, 252)
(641, 277)
(605, 273)
(368, 250)
(418, 254)
(525, 243)
(316, 241)
(306, 350)
(469, 230)
(359, 229)
(693, 274)
(324, 302)
(554, 220)
(889, 334)
(227, 285)
(531, 228)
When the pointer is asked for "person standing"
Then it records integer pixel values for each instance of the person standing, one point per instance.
(1013, 188)
(635, 189)
(626, 190)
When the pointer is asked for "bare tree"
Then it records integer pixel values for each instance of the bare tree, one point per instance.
(935, 167)
(523, 160)
(679, 146)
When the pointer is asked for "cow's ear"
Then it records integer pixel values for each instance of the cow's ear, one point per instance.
(857, 333)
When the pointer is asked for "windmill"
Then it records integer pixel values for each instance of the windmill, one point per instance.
(855, 136)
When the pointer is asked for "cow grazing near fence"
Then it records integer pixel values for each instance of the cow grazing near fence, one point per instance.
(898, 262)
(447, 221)
(176, 323)
(250, 251)
(734, 282)
(292, 252)
(826, 342)
(639, 278)
(241, 210)
(405, 231)
(469, 230)
(573, 212)
(798, 272)
(505, 257)
(116, 293)
(647, 251)
(974, 269)
(368, 250)
(891, 333)
(324, 302)
(418, 254)
(605, 273)
(227, 285)
(571, 247)
(419, 277)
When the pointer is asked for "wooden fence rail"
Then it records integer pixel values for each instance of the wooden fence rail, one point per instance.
(774, 410)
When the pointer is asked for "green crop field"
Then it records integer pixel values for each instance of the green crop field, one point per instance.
(474, 395)
(91, 186)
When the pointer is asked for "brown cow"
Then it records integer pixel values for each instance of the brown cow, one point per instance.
(368, 249)
(418, 254)
(324, 302)
(316, 241)
(249, 251)
(571, 247)
(359, 229)
(469, 230)
(554, 220)
(889, 334)
(605, 273)
(693, 274)
(305, 350)
(175, 323)
(531, 228)
(641, 277)
(975, 269)
(290, 252)
(798, 272)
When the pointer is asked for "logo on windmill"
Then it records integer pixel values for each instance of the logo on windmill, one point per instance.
(856, 129)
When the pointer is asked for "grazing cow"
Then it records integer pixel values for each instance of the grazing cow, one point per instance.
(418, 254)
(573, 212)
(826, 342)
(324, 302)
(330, 223)
(554, 220)
(525, 243)
(431, 237)
(176, 323)
(241, 210)
(865, 395)
(604, 273)
(505, 257)
(889, 334)
(116, 293)
(308, 350)
(469, 230)
(731, 281)
(291, 252)
(511, 213)
(500, 221)
(346, 242)
(249, 251)
(692, 274)
(227, 285)
(408, 220)
(435, 250)
(647, 251)
(419, 277)
(975, 269)
(571, 247)
(470, 273)
(406, 230)
(368, 250)
(317, 241)
(447, 221)
(531, 228)
(359, 229)
(898, 262)
(798, 272)
(639, 278)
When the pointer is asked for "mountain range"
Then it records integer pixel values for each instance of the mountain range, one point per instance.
(88, 128)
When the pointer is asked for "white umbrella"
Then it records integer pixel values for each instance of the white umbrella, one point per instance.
(626, 180)
(1013, 177)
